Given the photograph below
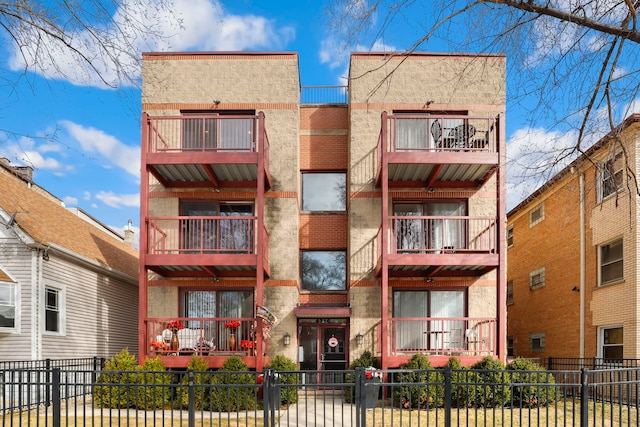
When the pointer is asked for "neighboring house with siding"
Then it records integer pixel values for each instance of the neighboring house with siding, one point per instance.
(68, 284)
(572, 277)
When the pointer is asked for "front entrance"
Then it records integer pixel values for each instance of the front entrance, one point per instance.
(323, 347)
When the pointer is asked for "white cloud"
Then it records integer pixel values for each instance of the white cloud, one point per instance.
(70, 201)
(336, 54)
(184, 25)
(86, 195)
(109, 198)
(94, 140)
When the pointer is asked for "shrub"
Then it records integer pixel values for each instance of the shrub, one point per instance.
(524, 375)
(153, 389)
(201, 384)
(463, 383)
(365, 360)
(280, 363)
(117, 377)
(430, 392)
(492, 383)
(228, 399)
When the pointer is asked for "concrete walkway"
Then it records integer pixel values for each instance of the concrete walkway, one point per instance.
(318, 408)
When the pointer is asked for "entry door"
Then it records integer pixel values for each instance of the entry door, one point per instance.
(323, 348)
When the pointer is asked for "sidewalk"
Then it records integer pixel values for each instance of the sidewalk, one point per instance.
(318, 408)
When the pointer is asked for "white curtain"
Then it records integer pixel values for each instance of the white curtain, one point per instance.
(445, 234)
(410, 233)
(447, 304)
(411, 334)
(411, 134)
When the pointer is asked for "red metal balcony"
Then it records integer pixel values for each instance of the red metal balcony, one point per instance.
(440, 246)
(206, 337)
(463, 337)
(437, 151)
(208, 151)
(205, 246)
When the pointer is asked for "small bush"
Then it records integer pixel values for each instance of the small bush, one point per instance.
(492, 383)
(153, 389)
(524, 375)
(365, 360)
(429, 394)
(118, 377)
(201, 382)
(463, 384)
(230, 399)
(280, 364)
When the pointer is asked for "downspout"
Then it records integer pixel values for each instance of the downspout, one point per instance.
(583, 246)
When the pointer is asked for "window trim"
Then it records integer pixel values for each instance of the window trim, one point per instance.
(15, 294)
(601, 344)
(509, 235)
(601, 265)
(534, 222)
(537, 272)
(320, 211)
(541, 338)
(607, 170)
(61, 290)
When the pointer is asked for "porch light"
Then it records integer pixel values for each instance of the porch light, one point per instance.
(286, 339)
(359, 339)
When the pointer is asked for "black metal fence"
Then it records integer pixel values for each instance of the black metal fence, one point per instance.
(438, 397)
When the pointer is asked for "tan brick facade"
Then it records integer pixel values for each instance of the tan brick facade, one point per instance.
(571, 284)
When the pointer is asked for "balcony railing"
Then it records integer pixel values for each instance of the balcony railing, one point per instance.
(205, 336)
(442, 234)
(420, 133)
(324, 94)
(204, 133)
(201, 235)
(443, 336)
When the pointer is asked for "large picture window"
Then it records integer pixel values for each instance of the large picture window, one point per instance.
(324, 270)
(324, 192)
(611, 262)
(428, 334)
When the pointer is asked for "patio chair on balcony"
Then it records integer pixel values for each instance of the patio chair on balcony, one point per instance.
(459, 136)
(436, 132)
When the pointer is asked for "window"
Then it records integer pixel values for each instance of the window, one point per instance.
(510, 236)
(420, 226)
(324, 270)
(536, 278)
(612, 343)
(428, 334)
(324, 192)
(510, 350)
(217, 235)
(203, 131)
(609, 176)
(54, 303)
(510, 292)
(611, 263)
(536, 215)
(537, 341)
(8, 305)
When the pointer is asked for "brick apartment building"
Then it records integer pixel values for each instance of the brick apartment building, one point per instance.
(572, 256)
(324, 221)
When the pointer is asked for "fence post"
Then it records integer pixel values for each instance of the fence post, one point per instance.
(55, 395)
(447, 396)
(360, 399)
(550, 363)
(47, 374)
(191, 407)
(584, 397)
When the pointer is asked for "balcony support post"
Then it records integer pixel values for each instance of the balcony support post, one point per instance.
(260, 242)
(384, 241)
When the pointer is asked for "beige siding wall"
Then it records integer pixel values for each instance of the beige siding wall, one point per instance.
(17, 260)
(101, 312)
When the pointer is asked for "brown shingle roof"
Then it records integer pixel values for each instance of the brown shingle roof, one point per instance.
(48, 222)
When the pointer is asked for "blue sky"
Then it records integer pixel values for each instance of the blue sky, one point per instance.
(93, 161)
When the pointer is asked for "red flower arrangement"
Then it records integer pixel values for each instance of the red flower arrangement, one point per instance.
(246, 344)
(174, 326)
(159, 345)
(232, 324)
(372, 372)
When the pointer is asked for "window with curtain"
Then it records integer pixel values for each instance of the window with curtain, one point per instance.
(203, 131)
(423, 333)
(8, 305)
(433, 234)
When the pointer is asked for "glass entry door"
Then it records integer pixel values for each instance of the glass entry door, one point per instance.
(323, 350)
